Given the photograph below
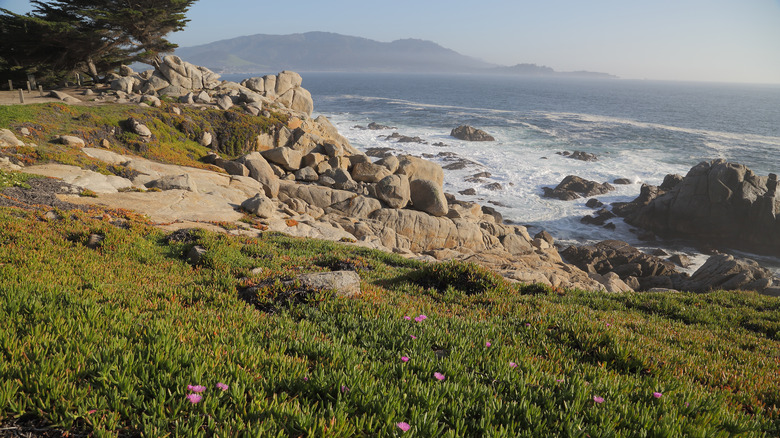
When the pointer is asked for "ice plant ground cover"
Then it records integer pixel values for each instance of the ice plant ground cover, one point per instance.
(119, 340)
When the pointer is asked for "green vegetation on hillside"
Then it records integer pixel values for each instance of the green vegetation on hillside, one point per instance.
(117, 340)
(174, 137)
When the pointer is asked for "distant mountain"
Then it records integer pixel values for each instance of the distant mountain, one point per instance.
(324, 51)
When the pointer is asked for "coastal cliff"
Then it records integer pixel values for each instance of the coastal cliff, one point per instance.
(288, 171)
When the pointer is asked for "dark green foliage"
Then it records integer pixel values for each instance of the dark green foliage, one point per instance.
(469, 278)
(91, 36)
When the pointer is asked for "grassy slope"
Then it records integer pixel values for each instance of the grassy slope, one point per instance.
(110, 340)
(107, 340)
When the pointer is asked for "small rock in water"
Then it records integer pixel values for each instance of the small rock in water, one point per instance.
(622, 181)
(468, 192)
(594, 203)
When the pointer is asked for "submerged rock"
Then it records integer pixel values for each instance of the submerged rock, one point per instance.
(468, 133)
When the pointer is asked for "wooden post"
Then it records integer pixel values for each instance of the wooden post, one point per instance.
(40, 89)
(11, 85)
(29, 87)
(78, 78)
(21, 96)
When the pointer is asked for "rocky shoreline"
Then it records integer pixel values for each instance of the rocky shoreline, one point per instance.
(305, 179)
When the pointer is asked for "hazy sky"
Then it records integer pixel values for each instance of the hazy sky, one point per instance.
(705, 40)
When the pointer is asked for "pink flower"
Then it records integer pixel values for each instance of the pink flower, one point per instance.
(598, 399)
(408, 318)
(344, 388)
(439, 376)
(91, 411)
(404, 426)
(413, 336)
(608, 324)
(305, 379)
(512, 364)
(222, 386)
(528, 324)
(657, 395)
(196, 388)
(488, 344)
(404, 359)
(559, 380)
(421, 318)
(194, 398)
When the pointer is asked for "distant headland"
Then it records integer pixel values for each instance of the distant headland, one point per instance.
(331, 52)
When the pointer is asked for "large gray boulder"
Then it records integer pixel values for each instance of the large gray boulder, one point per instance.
(289, 159)
(259, 205)
(8, 139)
(719, 203)
(369, 172)
(418, 168)
(428, 196)
(394, 191)
(728, 273)
(174, 182)
(188, 76)
(261, 171)
(344, 283)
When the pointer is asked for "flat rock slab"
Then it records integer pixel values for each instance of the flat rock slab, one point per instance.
(168, 206)
(86, 179)
(345, 283)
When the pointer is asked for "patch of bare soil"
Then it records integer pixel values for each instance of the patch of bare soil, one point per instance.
(42, 193)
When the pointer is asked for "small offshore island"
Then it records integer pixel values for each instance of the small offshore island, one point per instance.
(185, 255)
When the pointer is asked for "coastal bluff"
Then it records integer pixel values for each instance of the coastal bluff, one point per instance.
(298, 175)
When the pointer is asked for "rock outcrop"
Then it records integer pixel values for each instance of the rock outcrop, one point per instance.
(719, 203)
(468, 133)
(573, 187)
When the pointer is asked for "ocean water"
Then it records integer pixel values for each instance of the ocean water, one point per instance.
(640, 130)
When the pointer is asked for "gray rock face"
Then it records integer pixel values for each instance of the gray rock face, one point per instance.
(185, 75)
(70, 140)
(8, 139)
(622, 259)
(720, 203)
(306, 174)
(418, 168)
(369, 172)
(259, 205)
(573, 187)
(289, 159)
(394, 190)
(428, 196)
(174, 182)
(260, 170)
(465, 132)
(232, 167)
(344, 283)
(727, 273)
(224, 102)
(139, 128)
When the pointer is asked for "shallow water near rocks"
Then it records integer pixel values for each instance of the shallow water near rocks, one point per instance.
(639, 130)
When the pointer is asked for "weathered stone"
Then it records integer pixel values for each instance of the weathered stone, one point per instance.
(289, 159)
(285, 81)
(260, 170)
(255, 84)
(343, 283)
(206, 139)
(572, 187)
(224, 102)
(259, 205)
(719, 203)
(427, 196)
(418, 168)
(232, 167)
(369, 172)
(195, 255)
(174, 182)
(70, 140)
(203, 97)
(394, 190)
(124, 84)
(724, 272)
(8, 139)
(138, 127)
(306, 174)
(465, 132)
